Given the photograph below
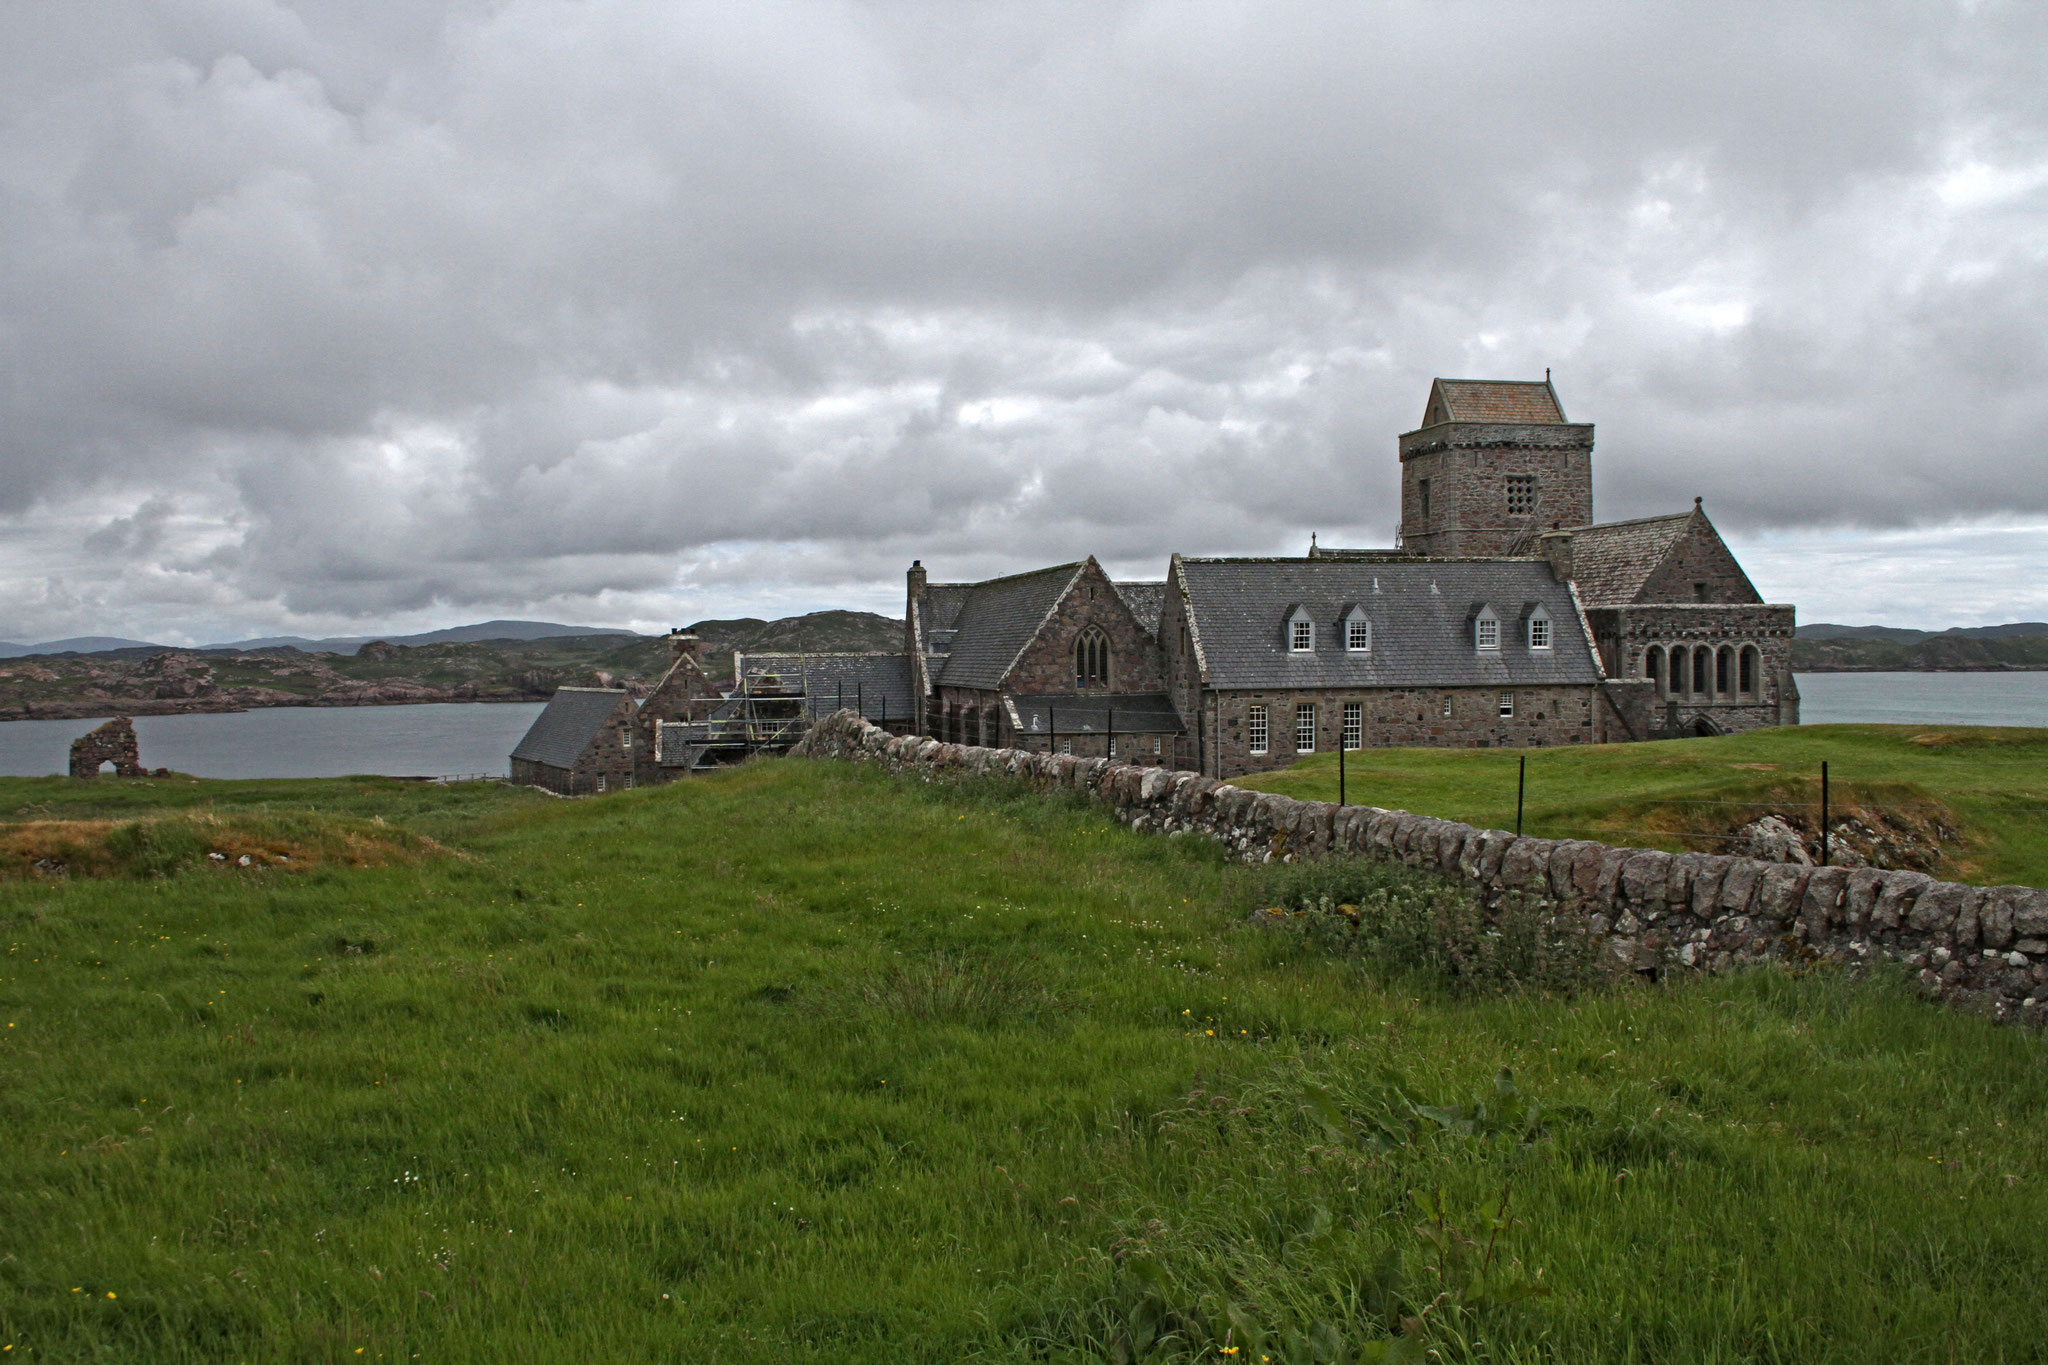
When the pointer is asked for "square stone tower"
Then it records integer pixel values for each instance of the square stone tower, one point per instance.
(1493, 465)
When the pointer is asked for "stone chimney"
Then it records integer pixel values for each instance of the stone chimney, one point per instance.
(682, 644)
(1556, 546)
(916, 579)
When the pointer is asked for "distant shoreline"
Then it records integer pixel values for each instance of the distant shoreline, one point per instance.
(1892, 668)
(100, 709)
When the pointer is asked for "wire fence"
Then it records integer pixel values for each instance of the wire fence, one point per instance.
(1835, 814)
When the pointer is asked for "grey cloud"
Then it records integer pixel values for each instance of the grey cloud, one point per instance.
(647, 306)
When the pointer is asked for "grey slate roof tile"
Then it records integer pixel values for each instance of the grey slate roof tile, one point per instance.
(881, 683)
(1036, 713)
(1145, 601)
(1611, 561)
(567, 724)
(995, 620)
(1420, 613)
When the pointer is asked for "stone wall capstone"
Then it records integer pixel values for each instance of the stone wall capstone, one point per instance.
(1981, 947)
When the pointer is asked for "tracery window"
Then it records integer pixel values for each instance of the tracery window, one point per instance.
(1091, 659)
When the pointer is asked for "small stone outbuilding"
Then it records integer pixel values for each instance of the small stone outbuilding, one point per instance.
(582, 743)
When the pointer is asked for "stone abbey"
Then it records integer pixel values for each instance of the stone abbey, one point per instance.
(1505, 615)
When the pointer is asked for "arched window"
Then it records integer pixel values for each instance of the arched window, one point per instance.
(1724, 670)
(1700, 659)
(1653, 666)
(1750, 669)
(1680, 670)
(1091, 659)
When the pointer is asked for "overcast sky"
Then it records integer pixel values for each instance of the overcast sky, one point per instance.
(334, 316)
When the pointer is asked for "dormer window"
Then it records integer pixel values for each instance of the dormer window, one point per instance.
(1357, 629)
(1539, 629)
(1486, 629)
(1301, 632)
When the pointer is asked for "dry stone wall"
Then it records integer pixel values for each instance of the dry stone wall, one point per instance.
(1981, 947)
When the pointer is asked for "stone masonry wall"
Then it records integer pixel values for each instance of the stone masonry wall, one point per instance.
(1047, 663)
(1404, 717)
(1982, 947)
(1468, 471)
(112, 743)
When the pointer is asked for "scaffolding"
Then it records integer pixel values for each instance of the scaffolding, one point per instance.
(766, 712)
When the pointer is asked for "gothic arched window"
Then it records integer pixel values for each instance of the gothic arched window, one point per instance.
(1091, 659)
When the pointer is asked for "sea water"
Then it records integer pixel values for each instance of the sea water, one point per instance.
(437, 739)
(459, 739)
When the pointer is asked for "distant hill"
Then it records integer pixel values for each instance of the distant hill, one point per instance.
(453, 635)
(80, 644)
(1823, 630)
(512, 661)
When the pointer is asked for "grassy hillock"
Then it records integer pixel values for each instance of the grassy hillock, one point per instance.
(802, 1062)
(1978, 795)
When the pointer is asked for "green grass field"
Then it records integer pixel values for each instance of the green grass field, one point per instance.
(802, 1062)
(1676, 794)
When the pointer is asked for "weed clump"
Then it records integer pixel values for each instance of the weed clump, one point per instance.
(1415, 925)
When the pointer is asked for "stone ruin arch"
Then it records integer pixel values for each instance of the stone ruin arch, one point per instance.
(112, 743)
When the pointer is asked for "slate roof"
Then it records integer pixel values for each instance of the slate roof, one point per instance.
(1612, 561)
(1145, 601)
(567, 724)
(1498, 400)
(996, 619)
(942, 603)
(1421, 623)
(1137, 713)
(876, 681)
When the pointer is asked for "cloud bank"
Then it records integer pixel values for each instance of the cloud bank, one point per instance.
(323, 315)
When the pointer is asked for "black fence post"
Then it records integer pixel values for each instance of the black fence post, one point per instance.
(1052, 728)
(1521, 781)
(839, 702)
(1340, 767)
(1111, 726)
(1823, 813)
(858, 704)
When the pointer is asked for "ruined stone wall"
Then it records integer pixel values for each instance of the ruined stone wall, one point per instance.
(1402, 717)
(112, 743)
(1985, 947)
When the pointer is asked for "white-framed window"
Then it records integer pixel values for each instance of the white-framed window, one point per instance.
(1486, 630)
(1112, 746)
(1358, 635)
(1539, 630)
(1521, 494)
(1354, 724)
(1305, 727)
(1255, 727)
(1447, 703)
(1507, 705)
(1155, 746)
(1301, 634)
(1067, 747)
